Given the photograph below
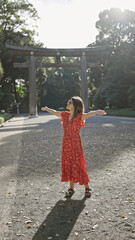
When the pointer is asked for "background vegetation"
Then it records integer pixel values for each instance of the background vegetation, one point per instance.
(113, 83)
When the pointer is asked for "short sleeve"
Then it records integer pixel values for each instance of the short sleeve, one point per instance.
(63, 114)
(82, 122)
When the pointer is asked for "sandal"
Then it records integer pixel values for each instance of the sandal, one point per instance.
(69, 193)
(87, 193)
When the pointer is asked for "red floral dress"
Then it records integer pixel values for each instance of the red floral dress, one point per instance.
(73, 160)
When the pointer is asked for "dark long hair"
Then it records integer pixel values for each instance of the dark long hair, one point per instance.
(78, 105)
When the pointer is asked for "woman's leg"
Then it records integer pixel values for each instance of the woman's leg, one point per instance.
(87, 191)
(70, 191)
(86, 186)
(72, 185)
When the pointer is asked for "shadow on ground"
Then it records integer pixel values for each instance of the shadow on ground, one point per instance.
(61, 220)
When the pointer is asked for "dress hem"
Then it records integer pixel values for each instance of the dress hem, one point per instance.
(80, 183)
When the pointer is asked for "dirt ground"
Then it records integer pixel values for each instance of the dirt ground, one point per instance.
(32, 200)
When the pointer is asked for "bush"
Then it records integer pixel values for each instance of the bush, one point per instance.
(131, 97)
(1, 120)
(6, 99)
(99, 99)
(4, 117)
(125, 112)
(1, 70)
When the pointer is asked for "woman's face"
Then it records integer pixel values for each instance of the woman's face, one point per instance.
(70, 105)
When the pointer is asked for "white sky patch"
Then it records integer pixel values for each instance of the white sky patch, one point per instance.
(71, 23)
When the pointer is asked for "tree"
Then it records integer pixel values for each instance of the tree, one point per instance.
(61, 85)
(15, 17)
(116, 29)
(1, 70)
(131, 75)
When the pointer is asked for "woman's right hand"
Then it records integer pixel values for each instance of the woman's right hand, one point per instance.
(100, 112)
(52, 111)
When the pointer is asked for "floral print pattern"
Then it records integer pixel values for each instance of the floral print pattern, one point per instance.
(73, 161)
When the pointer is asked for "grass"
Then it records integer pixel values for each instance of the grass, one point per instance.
(124, 112)
(4, 117)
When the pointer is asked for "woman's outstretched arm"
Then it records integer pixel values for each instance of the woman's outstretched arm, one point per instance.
(92, 113)
(52, 111)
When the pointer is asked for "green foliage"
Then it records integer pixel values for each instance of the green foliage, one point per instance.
(116, 85)
(99, 98)
(125, 112)
(4, 117)
(116, 29)
(15, 18)
(1, 70)
(60, 85)
(54, 85)
(131, 96)
(6, 98)
(14, 15)
(20, 91)
(113, 81)
(1, 120)
(57, 85)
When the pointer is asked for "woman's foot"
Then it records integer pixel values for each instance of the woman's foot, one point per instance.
(87, 192)
(69, 193)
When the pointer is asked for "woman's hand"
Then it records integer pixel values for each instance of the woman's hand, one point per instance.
(100, 112)
(93, 113)
(52, 111)
(43, 108)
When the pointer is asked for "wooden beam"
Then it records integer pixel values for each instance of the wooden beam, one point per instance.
(21, 65)
(55, 65)
(93, 65)
(71, 52)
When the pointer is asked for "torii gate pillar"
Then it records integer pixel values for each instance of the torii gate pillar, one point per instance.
(84, 83)
(32, 86)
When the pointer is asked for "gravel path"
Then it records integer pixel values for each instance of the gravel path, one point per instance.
(33, 206)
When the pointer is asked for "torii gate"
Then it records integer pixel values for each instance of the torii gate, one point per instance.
(33, 52)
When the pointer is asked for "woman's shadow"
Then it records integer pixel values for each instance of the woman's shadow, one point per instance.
(60, 221)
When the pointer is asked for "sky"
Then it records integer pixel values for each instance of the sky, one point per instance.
(71, 23)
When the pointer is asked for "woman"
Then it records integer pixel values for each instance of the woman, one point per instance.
(73, 160)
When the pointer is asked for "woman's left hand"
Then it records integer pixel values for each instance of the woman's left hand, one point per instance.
(100, 112)
(43, 109)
